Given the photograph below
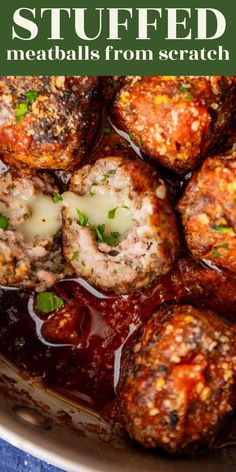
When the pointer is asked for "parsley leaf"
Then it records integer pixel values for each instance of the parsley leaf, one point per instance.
(112, 213)
(48, 302)
(57, 197)
(139, 141)
(108, 174)
(224, 245)
(4, 222)
(215, 254)
(112, 239)
(74, 255)
(31, 96)
(83, 219)
(23, 107)
(223, 229)
(183, 88)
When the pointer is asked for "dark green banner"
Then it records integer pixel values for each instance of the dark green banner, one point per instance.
(101, 37)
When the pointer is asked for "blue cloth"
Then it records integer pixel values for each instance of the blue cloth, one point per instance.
(15, 460)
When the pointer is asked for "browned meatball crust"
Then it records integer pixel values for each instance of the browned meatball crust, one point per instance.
(178, 379)
(135, 239)
(177, 120)
(208, 211)
(47, 122)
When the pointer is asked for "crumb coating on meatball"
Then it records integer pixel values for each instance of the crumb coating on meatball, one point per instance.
(208, 212)
(176, 119)
(178, 379)
(47, 121)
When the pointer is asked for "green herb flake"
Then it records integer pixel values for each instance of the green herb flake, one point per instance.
(112, 239)
(83, 219)
(183, 88)
(4, 222)
(23, 107)
(139, 141)
(106, 131)
(74, 255)
(92, 194)
(99, 231)
(46, 302)
(223, 229)
(112, 213)
(108, 174)
(21, 110)
(132, 135)
(188, 96)
(215, 254)
(224, 245)
(57, 197)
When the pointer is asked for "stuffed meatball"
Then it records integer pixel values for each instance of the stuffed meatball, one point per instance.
(47, 122)
(30, 253)
(208, 211)
(177, 120)
(119, 230)
(178, 379)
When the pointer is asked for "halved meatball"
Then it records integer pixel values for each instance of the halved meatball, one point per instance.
(208, 211)
(177, 120)
(119, 230)
(30, 252)
(47, 122)
(178, 379)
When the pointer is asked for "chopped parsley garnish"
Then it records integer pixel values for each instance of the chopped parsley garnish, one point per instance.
(106, 131)
(139, 141)
(46, 302)
(224, 245)
(108, 174)
(112, 239)
(185, 89)
(74, 255)
(223, 229)
(23, 106)
(4, 222)
(112, 213)
(83, 219)
(215, 254)
(99, 231)
(92, 193)
(132, 135)
(57, 197)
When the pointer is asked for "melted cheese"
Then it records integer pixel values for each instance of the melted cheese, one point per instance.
(45, 219)
(96, 208)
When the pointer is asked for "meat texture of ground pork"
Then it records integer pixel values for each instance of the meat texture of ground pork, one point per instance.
(47, 122)
(26, 261)
(178, 379)
(208, 211)
(128, 261)
(177, 120)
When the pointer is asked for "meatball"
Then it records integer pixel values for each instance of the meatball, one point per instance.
(178, 379)
(177, 120)
(119, 230)
(47, 122)
(208, 211)
(30, 253)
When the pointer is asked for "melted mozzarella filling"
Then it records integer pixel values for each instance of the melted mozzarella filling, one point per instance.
(96, 208)
(45, 219)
